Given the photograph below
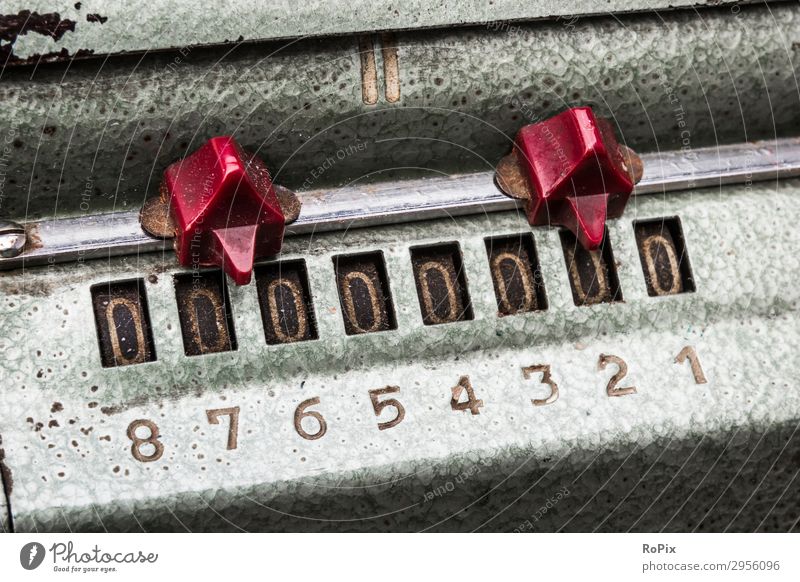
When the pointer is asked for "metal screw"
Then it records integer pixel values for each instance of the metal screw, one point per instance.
(12, 239)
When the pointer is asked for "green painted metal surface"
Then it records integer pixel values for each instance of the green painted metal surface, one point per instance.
(96, 136)
(100, 27)
(676, 455)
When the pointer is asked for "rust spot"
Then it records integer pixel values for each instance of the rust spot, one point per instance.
(391, 68)
(177, 392)
(155, 217)
(290, 203)
(632, 163)
(511, 179)
(24, 286)
(111, 410)
(51, 57)
(32, 238)
(96, 18)
(53, 424)
(369, 72)
(57, 407)
(49, 24)
(12, 26)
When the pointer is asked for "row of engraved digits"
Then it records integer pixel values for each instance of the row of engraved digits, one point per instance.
(145, 436)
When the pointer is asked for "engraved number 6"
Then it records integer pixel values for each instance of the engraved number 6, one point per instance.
(300, 413)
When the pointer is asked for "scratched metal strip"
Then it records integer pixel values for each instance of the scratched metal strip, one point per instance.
(119, 233)
(65, 29)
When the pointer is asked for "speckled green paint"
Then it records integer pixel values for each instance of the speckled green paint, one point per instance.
(98, 136)
(128, 27)
(670, 451)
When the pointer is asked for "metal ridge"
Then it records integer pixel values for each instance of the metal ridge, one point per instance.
(119, 233)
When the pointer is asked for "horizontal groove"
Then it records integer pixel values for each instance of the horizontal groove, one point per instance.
(120, 233)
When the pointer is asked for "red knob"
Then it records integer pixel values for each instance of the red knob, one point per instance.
(224, 208)
(576, 173)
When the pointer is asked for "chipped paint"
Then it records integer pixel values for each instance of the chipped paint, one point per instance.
(96, 18)
(117, 27)
(25, 22)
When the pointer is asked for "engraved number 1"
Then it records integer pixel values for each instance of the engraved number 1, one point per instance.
(689, 353)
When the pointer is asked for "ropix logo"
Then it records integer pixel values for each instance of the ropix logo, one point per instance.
(31, 555)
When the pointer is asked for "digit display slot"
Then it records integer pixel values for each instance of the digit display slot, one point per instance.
(364, 293)
(441, 284)
(286, 307)
(205, 313)
(516, 275)
(592, 274)
(662, 250)
(123, 323)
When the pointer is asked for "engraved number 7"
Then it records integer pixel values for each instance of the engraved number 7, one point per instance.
(233, 428)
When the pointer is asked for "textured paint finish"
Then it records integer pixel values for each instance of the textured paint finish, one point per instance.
(97, 137)
(675, 455)
(106, 27)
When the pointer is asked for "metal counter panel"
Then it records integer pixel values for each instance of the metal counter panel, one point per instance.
(675, 455)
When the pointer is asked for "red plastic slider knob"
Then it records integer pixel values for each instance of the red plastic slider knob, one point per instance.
(572, 172)
(224, 209)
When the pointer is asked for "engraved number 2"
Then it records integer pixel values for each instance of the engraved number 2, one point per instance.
(611, 388)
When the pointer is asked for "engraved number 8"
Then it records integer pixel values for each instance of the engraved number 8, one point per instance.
(136, 447)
